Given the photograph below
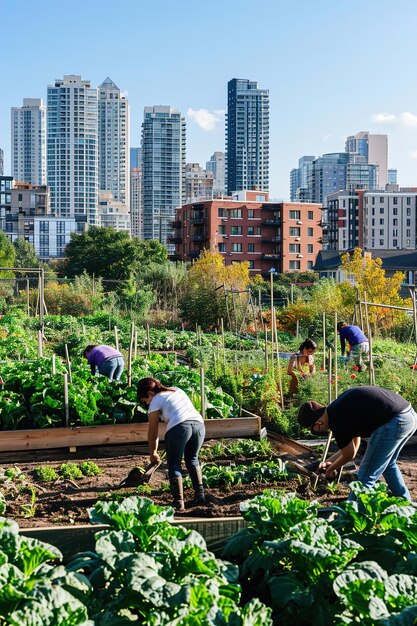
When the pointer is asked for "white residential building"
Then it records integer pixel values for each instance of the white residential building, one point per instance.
(113, 142)
(389, 219)
(217, 165)
(72, 148)
(28, 142)
(112, 213)
(136, 217)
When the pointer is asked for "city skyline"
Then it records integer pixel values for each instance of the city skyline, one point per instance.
(332, 69)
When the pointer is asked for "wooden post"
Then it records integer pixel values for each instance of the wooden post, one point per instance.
(223, 347)
(369, 335)
(27, 297)
(279, 373)
(53, 365)
(266, 348)
(148, 338)
(116, 337)
(66, 401)
(40, 344)
(129, 356)
(324, 341)
(297, 328)
(68, 363)
(136, 344)
(203, 394)
(335, 356)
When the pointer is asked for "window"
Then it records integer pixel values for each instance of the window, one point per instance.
(294, 231)
(395, 222)
(310, 265)
(408, 233)
(236, 213)
(251, 247)
(251, 265)
(251, 214)
(381, 221)
(222, 247)
(408, 200)
(310, 215)
(236, 247)
(310, 248)
(381, 242)
(295, 215)
(222, 229)
(407, 243)
(310, 232)
(295, 248)
(408, 222)
(221, 212)
(381, 209)
(294, 265)
(395, 211)
(408, 212)
(381, 199)
(260, 198)
(44, 227)
(395, 200)
(381, 231)
(395, 243)
(236, 230)
(251, 231)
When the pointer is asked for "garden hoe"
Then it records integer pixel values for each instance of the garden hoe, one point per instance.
(140, 475)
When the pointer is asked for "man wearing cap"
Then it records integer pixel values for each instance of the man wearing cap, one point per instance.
(380, 414)
(359, 344)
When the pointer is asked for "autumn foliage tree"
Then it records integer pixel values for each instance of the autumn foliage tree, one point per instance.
(370, 280)
(208, 283)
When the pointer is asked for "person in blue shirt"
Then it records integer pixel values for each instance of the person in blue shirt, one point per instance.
(358, 342)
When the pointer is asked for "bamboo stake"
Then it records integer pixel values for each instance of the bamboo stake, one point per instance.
(281, 391)
(324, 341)
(116, 337)
(335, 356)
(136, 344)
(224, 350)
(330, 435)
(53, 365)
(266, 348)
(40, 344)
(68, 363)
(66, 401)
(28, 296)
(369, 335)
(129, 355)
(202, 393)
(148, 338)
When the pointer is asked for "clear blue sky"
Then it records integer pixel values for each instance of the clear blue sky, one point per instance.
(333, 67)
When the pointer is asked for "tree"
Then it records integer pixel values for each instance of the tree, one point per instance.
(208, 280)
(370, 279)
(25, 255)
(109, 253)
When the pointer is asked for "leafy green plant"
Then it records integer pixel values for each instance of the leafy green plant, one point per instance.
(257, 472)
(70, 471)
(89, 468)
(46, 474)
(29, 510)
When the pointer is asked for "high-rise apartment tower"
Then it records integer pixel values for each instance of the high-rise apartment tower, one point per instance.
(163, 169)
(72, 148)
(28, 142)
(247, 136)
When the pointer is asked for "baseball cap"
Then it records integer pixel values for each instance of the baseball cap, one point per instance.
(310, 412)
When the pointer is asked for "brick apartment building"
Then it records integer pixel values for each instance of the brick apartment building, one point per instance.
(247, 227)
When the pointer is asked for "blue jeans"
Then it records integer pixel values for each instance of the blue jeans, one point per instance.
(183, 440)
(384, 446)
(112, 368)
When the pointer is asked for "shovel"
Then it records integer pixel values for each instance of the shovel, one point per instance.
(139, 475)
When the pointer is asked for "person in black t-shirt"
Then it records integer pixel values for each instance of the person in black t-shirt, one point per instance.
(380, 414)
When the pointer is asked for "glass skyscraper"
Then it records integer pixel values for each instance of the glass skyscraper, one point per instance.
(163, 169)
(28, 142)
(247, 136)
(72, 148)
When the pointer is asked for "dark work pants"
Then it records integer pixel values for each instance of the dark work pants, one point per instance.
(183, 440)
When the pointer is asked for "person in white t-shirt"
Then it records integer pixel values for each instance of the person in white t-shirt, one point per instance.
(184, 435)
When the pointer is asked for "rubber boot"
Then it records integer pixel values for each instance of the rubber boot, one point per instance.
(177, 491)
(197, 482)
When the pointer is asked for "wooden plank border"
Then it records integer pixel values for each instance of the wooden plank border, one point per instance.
(73, 539)
(49, 438)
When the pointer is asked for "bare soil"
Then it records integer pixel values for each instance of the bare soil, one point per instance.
(39, 504)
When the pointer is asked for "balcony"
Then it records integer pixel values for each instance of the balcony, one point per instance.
(271, 256)
(272, 222)
(194, 254)
(174, 240)
(198, 237)
(271, 239)
(197, 220)
(176, 224)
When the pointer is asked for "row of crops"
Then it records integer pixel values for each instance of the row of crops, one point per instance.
(288, 567)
